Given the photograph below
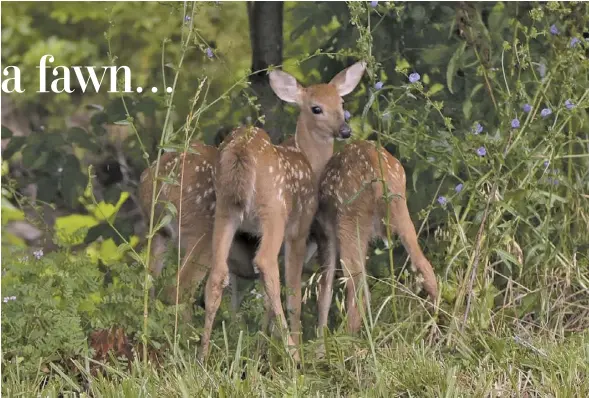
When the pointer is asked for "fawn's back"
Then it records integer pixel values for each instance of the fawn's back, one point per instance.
(265, 177)
(354, 201)
(352, 182)
(197, 195)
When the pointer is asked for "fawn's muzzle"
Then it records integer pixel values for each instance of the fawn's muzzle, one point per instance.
(345, 131)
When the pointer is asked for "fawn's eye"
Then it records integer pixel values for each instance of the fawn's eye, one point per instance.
(316, 110)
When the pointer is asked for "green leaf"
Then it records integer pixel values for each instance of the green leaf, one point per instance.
(6, 133)
(467, 109)
(47, 189)
(14, 145)
(436, 88)
(171, 208)
(123, 229)
(508, 258)
(112, 194)
(30, 155)
(453, 65)
(73, 180)
(96, 232)
(517, 195)
(41, 161)
(168, 180)
(166, 219)
(476, 89)
(54, 140)
(82, 138)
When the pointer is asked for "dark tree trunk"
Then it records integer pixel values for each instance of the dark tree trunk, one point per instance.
(265, 20)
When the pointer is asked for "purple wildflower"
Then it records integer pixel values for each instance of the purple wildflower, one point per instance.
(553, 181)
(574, 42)
(569, 104)
(459, 187)
(373, 4)
(378, 85)
(554, 30)
(442, 200)
(38, 254)
(414, 77)
(347, 115)
(545, 112)
(209, 52)
(527, 108)
(478, 128)
(481, 151)
(515, 123)
(187, 18)
(546, 163)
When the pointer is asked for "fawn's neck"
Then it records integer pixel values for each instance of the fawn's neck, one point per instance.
(317, 149)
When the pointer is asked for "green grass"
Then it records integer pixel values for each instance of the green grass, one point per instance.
(473, 364)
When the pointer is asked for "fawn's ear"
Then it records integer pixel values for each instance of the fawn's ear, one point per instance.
(347, 80)
(285, 86)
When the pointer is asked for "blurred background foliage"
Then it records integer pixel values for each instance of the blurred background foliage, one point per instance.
(457, 48)
(479, 63)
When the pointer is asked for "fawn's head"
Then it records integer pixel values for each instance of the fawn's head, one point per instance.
(321, 105)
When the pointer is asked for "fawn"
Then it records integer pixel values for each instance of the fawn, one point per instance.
(271, 191)
(197, 197)
(198, 202)
(353, 211)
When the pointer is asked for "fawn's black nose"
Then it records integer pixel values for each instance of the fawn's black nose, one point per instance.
(345, 131)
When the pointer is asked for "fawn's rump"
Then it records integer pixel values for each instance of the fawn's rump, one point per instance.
(235, 176)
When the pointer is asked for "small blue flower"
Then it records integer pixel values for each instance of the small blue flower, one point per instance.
(414, 77)
(545, 112)
(515, 123)
(569, 104)
(209, 52)
(442, 200)
(459, 187)
(574, 42)
(373, 4)
(187, 18)
(378, 85)
(478, 128)
(347, 115)
(481, 151)
(38, 254)
(554, 30)
(546, 164)
(527, 108)
(553, 181)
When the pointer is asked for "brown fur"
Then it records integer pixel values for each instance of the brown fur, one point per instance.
(196, 225)
(272, 191)
(197, 221)
(352, 212)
